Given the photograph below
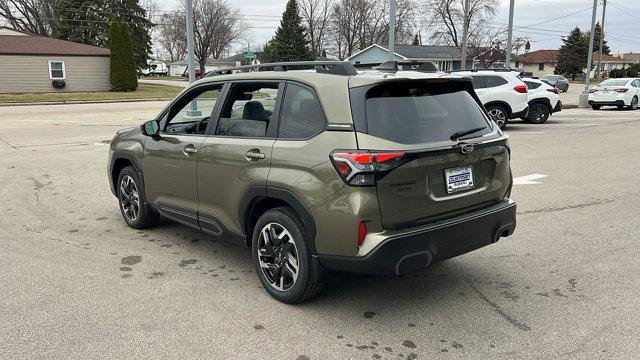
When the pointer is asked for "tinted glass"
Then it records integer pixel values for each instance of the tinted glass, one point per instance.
(614, 82)
(550, 77)
(195, 107)
(301, 115)
(248, 110)
(493, 81)
(478, 82)
(532, 85)
(417, 114)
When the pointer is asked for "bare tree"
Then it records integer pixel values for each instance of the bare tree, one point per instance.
(32, 16)
(316, 16)
(445, 19)
(171, 38)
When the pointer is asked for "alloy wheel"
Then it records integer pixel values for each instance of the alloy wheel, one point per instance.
(278, 256)
(498, 116)
(129, 199)
(634, 103)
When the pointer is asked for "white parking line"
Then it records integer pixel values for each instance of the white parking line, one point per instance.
(528, 179)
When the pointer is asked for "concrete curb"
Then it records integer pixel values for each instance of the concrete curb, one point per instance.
(74, 102)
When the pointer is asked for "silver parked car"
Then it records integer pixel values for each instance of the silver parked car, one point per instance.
(558, 81)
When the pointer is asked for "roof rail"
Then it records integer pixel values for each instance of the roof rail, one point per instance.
(487, 69)
(322, 67)
(393, 66)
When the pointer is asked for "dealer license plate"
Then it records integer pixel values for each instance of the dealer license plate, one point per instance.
(459, 179)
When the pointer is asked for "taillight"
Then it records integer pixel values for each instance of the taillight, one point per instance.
(553, 90)
(521, 89)
(361, 168)
(592, 91)
(362, 232)
(622, 90)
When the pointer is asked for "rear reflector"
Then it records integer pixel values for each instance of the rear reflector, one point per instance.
(622, 90)
(521, 89)
(362, 232)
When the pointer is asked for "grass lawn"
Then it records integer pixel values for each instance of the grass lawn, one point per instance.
(145, 91)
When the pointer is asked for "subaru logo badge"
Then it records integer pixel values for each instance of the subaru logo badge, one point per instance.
(466, 149)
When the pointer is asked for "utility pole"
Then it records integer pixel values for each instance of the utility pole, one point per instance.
(509, 35)
(583, 100)
(604, 10)
(392, 29)
(465, 35)
(191, 62)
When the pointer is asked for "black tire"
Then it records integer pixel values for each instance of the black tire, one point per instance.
(634, 103)
(129, 195)
(499, 115)
(595, 107)
(538, 113)
(309, 279)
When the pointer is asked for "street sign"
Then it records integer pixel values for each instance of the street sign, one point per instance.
(249, 55)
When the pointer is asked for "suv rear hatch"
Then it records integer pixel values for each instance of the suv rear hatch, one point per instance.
(434, 151)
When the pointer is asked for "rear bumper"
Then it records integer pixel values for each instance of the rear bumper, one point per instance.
(520, 114)
(558, 107)
(416, 248)
(607, 103)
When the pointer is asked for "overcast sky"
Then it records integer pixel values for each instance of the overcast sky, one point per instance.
(622, 25)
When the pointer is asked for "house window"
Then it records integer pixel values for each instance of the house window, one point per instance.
(541, 66)
(56, 70)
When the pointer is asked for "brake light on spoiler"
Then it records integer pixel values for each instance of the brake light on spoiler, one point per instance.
(357, 168)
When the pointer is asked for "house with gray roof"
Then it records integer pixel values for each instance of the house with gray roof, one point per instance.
(444, 57)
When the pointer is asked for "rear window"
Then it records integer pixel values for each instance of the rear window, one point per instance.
(614, 82)
(495, 81)
(410, 113)
(532, 85)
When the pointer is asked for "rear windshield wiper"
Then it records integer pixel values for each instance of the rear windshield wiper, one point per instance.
(458, 134)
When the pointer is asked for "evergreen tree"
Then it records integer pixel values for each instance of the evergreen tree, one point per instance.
(416, 40)
(572, 57)
(87, 22)
(123, 74)
(596, 40)
(290, 42)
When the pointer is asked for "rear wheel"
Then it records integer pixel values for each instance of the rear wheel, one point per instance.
(538, 114)
(135, 211)
(282, 257)
(634, 103)
(595, 107)
(499, 115)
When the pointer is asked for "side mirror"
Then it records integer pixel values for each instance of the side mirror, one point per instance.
(151, 128)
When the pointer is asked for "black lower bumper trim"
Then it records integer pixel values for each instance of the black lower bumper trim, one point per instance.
(521, 114)
(417, 248)
(607, 103)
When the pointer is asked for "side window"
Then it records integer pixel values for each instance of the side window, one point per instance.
(57, 70)
(301, 116)
(494, 81)
(636, 83)
(248, 110)
(191, 114)
(532, 85)
(478, 82)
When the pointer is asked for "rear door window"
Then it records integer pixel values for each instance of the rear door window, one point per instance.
(249, 110)
(301, 115)
(418, 113)
(495, 81)
(478, 82)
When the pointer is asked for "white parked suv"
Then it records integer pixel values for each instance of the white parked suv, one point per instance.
(502, 92)
(616, 92)
(544, 100)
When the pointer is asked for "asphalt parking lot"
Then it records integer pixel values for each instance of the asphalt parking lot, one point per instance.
(76, 282)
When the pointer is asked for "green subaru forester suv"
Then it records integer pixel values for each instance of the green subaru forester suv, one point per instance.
(323, 168)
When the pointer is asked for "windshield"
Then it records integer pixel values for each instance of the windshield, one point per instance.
(419, 113)
(614, 82)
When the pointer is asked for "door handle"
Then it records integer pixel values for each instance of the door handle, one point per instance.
(189, 150)
(254, 154)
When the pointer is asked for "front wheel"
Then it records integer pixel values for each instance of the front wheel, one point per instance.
(538, 114)
(634, 103)
(499, 115)
(282, 257)
(135, 211)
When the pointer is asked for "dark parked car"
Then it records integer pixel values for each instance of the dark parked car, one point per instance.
(558, 81)
(322, 170)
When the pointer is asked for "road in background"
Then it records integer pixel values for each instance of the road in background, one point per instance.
(78, 283)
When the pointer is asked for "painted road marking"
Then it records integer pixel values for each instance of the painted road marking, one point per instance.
(528, 179)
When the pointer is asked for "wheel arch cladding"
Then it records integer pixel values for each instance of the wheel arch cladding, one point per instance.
(502, 104)
(259, 200)
(543, 101)
(120, 162)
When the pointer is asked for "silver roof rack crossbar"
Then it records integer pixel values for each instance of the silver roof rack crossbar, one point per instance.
(324, 67)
